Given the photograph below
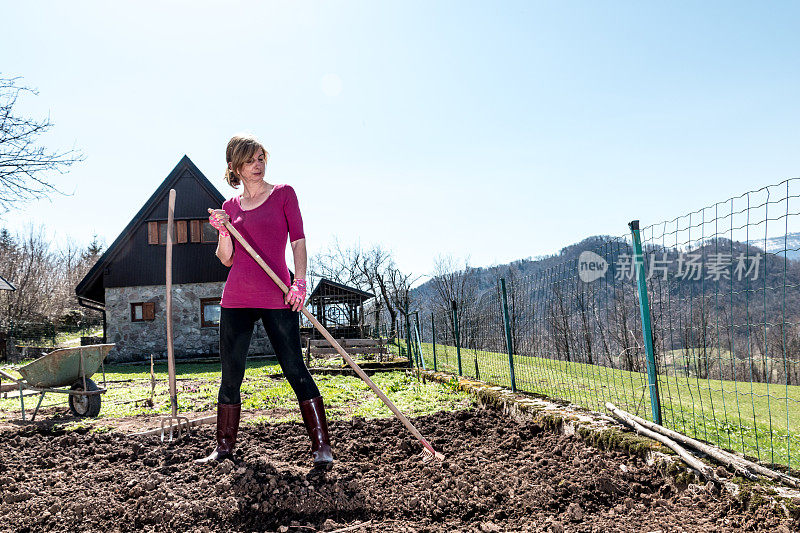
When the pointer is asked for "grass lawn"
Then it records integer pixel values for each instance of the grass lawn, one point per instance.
(129, 389)
(758, 419)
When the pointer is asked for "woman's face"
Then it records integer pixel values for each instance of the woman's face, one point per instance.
(253, 170)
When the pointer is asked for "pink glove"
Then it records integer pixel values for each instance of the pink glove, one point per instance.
(297, 294)
(214, 220)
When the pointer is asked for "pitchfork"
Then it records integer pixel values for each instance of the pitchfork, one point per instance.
(174, 421)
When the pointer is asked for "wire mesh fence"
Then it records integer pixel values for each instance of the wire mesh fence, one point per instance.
(722, 312)
(723, 282)
(43, 333)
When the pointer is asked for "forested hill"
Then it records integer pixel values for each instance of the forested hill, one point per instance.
(485, 279)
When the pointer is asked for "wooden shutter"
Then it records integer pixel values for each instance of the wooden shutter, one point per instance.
(152, 233)
(180, 225)
(149, 311)
(194, 229)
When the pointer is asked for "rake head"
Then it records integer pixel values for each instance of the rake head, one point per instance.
(429, 454)
(174, 424)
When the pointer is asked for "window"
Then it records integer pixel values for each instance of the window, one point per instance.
(203, 231)
(209, 312)
(185, 231)
(209, 233)
(142, 311)
(157, 232)
(162, 233)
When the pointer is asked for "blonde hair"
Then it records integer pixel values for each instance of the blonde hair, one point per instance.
(241, 148)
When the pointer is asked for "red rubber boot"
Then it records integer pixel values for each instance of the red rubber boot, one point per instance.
(227, 428)
(313, 412)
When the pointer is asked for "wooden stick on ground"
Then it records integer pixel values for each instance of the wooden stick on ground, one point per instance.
(351, 528)
(705, 470)
(741, 465)
(152, 382)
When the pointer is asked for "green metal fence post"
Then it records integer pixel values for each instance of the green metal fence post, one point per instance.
(647, 333)
(397, 340)
(458, 339)
(419, 341)
(412, 332)
(433, 340)
(509, 343)
(410, 349)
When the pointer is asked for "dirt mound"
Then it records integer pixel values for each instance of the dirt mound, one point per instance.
(499, 476)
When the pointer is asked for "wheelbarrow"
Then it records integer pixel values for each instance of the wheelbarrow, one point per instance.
(65, 367)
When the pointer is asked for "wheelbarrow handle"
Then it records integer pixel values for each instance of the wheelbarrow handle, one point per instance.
(9, 376)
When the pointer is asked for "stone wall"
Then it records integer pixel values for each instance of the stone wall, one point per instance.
(137, 340)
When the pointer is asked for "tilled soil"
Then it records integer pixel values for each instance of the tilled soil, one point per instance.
(499, 475)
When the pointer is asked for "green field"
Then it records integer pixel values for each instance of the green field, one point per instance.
(758, 419)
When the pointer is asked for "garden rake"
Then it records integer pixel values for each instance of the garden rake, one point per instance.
(428, 452)
(172, 422)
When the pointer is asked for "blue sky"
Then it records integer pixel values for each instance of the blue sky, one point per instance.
(488, 130)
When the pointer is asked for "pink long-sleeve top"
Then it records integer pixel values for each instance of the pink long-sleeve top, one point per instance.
(266, 228)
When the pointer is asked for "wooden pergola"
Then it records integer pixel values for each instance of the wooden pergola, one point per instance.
(339, 308)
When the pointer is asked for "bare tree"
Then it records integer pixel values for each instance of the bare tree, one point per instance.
(45, 278)
(583, 302)
(620, 329)
(453, 285)
(558, 319)
(339, 263)
(400, 284)
(372, 270)
(697, 337)
(376, 267)
(26, 167)
(515, 307)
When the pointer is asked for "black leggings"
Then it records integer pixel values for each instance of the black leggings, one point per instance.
(283, 330)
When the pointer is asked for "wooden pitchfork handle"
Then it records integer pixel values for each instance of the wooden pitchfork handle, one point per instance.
(428, 449)
(173, 420)
(173, 390)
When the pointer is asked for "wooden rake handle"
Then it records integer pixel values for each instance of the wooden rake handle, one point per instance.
(400, 416)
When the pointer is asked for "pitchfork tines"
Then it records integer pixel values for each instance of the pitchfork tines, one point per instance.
(174, 424)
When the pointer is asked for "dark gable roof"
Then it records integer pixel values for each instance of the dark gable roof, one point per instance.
(331, 289)
(185, 164)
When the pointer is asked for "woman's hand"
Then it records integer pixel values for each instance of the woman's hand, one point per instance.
(217, 218)
(297, 294)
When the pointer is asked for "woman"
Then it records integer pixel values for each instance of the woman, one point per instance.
(265, 215)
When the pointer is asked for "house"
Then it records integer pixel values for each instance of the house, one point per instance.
(128, 283)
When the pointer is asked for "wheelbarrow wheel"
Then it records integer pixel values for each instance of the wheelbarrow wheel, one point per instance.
(85, 405)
